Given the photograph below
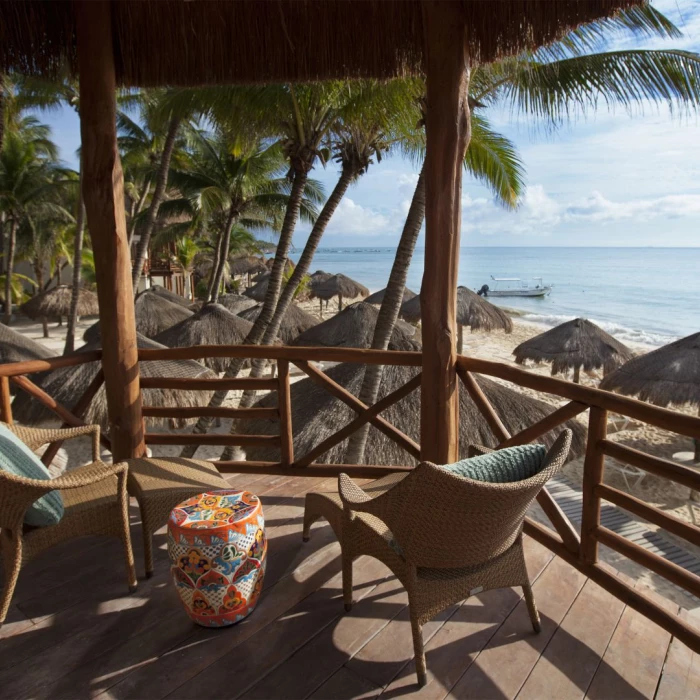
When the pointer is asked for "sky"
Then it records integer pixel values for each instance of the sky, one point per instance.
(604, 179)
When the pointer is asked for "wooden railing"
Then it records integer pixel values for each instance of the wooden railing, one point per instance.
(579, 548)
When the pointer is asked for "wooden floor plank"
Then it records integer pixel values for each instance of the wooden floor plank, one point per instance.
(571, 659)
(504, 665)
(345, 685)
(680, 678)
(458, 642)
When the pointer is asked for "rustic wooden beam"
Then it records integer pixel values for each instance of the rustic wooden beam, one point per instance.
(284, 402)
(593, 468)
(499, 430)
(542, 427)
(447, 138)
(358, 406)
(220, 412)
(5, 401)
(208, 384)
(212, 439)
(14, 369)
(282, 352)
(103, 194)
(358, 471)
(357, 423)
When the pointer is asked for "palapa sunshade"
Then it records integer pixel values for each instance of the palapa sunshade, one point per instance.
(342, 287)
(378, 297)
(167, 294)
(353, 327)
(154, 314)
(282, 41)
(317, 279)
(67, 384)
(247, 265)
(55, 303)
(575, 345)
(295, 321)
(15, 347)
(316, 415)
(236, 303)
(258, 291)
(213, 324)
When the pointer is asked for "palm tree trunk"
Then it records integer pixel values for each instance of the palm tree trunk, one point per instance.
(39, 275)
(156, 201)
(77, 271)
(11, 245)
(388, 313)
(274, 285)
(287, 296)
(214, 266)
(137, 209)
(223, 256)
(577, 375)
(460, 338)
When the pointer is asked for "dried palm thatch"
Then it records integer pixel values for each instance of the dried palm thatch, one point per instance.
(316, 415)
(55, 303)
(353, 327)
(68, 384)
(378, 297)
(574, 345)
(340, 286)
(300, 40)
(247, 265)
(15, 347)
(667, 376)
(213, 324)
(317, 279)
(167, 294)
(295, 321)
(154, 314)
(236, 303)
(259, 289)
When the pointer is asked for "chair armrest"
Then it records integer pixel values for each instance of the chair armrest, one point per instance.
(478, 450)
(36, 437)
(86, 475)
(351, 494)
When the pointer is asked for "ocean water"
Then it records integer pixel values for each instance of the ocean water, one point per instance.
(640, 295)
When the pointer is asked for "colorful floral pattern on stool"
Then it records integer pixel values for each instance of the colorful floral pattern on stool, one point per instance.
(218, 553)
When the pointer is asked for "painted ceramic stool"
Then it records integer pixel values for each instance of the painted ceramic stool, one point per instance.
(217, 548)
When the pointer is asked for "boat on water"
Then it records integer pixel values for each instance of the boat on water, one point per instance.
(515, 287)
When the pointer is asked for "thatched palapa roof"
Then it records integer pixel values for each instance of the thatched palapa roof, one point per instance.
(15, 347)
(378, 297)
(295, 321)
(572, 345)
(317, 279)
(247, 264)
(67, 384)
(259, 289)
(668, 375)
(154, 314)
(167, 294)
(472, 311)
(213, 324)
(353, 327)
(56, 302)
(340, 286)
(316, 415)
(236, 303)
(171, 42)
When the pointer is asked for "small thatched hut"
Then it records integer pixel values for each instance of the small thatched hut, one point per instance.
(213, 324)
(340, 286)
(247, 265)
(68, 384)
(236, 303)
(378, 297)
(575, 345)
(353, 327)
(316, 415)
(294, 323)
(167, 294)
(55, 303)
(154, 314)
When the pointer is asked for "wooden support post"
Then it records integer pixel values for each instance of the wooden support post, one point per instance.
(103, 193)
(284, 400)
(592, 477)
(447, 132)
(5, 401)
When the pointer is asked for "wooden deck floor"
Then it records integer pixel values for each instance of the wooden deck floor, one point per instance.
(73, 633)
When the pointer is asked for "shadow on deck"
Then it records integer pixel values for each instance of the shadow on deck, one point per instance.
(72, 631)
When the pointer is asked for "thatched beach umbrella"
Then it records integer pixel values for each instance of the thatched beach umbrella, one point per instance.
(472, 310)
(295, 321)
(236, 303)
(353, 327)
(259, 289)
(574, 345)
(247, 265)
(167, 294)
(154, 314)
(667, 376)
(378, 297)
(213, 324)
(15, 347)
(316, 415)
(55, 303)
(67, 384)
(340, 286)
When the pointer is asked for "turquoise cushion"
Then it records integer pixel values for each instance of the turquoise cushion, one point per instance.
(16, 458)
(510, 464)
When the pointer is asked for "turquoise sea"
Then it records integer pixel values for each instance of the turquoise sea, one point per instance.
(642, 295)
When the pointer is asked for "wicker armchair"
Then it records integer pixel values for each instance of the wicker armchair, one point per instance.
(94, 497)
(445, 537)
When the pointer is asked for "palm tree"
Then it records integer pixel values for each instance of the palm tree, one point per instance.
(551, 83)
(186, 252)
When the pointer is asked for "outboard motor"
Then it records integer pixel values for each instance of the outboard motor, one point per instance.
(484, 291)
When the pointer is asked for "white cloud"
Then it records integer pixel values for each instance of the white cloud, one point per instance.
(407, 184)
(598, 209)
(352, 218)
